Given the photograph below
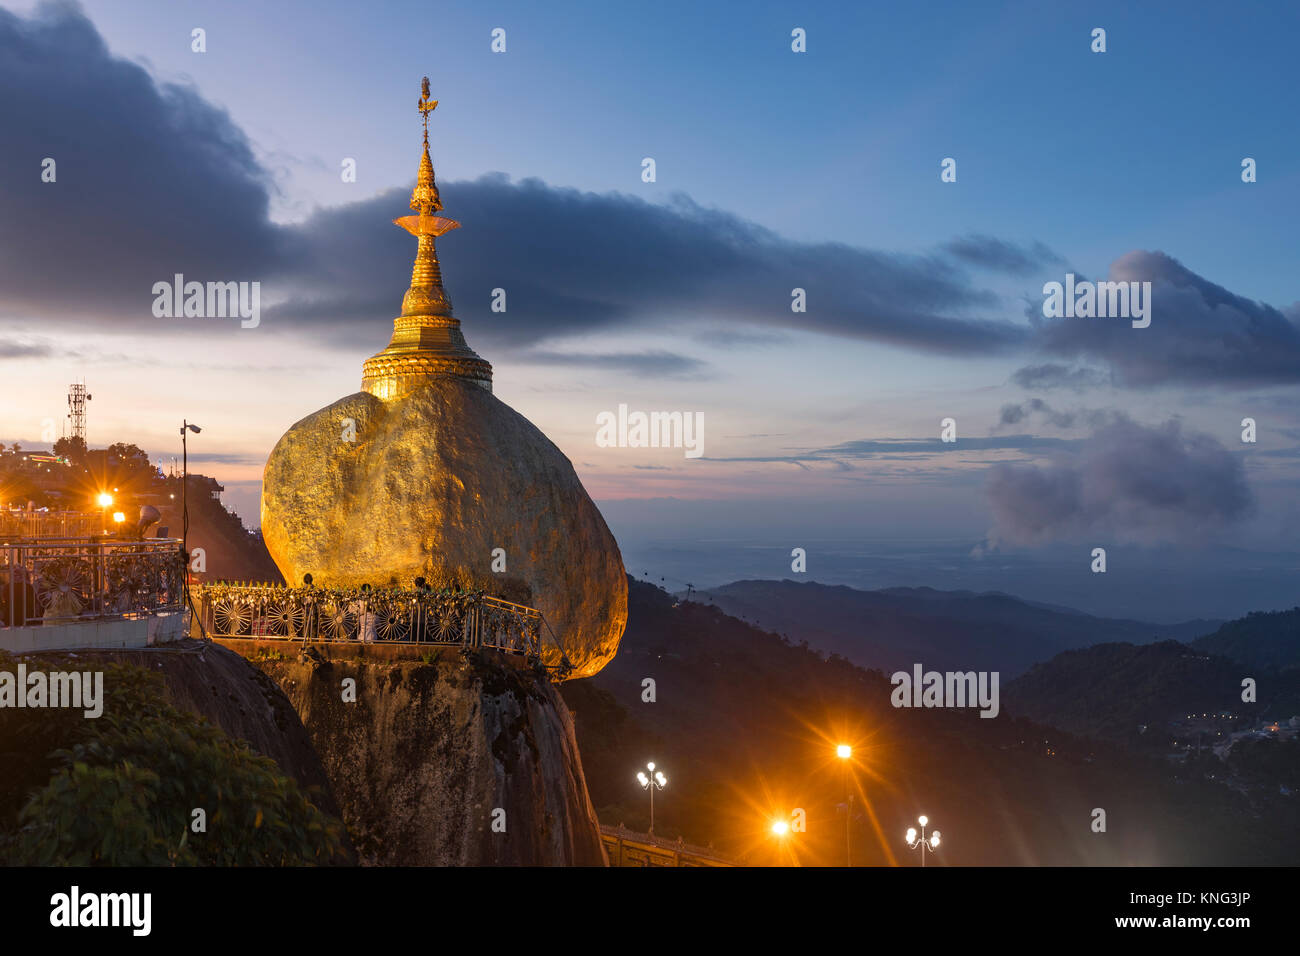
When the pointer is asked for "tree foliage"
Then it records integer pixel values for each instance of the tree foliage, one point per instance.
(71, 447)
(125, 786)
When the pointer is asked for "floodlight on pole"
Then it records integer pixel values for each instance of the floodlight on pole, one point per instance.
(185, 487)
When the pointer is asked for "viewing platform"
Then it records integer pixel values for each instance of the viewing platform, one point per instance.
(60, 593)
(385, 623)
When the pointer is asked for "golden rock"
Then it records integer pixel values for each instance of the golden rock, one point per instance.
(426, 473)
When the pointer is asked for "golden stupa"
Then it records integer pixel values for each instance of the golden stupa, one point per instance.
(424, 472)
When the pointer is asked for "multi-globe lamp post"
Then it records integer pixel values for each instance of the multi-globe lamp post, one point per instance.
(652, 780)
(915, 840)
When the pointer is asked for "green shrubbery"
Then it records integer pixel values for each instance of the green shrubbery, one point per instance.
(121, 790)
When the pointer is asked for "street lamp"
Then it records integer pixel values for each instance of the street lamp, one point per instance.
(784, 842)
(105, 501)
(844, 752)
(915, 840)
(654, 781)
(185, 488)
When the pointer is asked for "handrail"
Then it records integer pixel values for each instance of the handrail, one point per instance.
(58, 580)
(16, 524)
(403, 616)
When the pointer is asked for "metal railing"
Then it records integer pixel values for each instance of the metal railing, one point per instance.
(49, 524)
(469, 619)
(627, 847)
(68, 580)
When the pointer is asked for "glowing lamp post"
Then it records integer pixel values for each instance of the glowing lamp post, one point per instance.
(105, 501)
(844, 752)
(915, 840)
(783, 838)
(186, 427)
(654, 780)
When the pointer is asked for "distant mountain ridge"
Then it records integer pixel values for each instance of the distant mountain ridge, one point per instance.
(744, 725)
(1260, 639)
(894, 628)
(1110, 691)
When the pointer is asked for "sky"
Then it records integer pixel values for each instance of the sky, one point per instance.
(774, 170)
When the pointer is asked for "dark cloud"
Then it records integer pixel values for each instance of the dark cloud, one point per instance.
(1128, 482)
(738, 338)
(1012, 414)
(998, 255)
(14, 348)
(1017, 413)
(612, 260)
(657, 364)
(865, 448)
(1053, 375)
(1200, 334)
(153, 181)
(913, 449)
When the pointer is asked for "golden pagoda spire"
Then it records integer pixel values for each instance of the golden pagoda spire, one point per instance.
(427, 341)
(424, 197)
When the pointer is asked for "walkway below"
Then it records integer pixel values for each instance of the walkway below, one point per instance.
(628, 848)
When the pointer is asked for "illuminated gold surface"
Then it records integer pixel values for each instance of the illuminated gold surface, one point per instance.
(434, 482)
(427, 342)
(440, 475)
(426, 225)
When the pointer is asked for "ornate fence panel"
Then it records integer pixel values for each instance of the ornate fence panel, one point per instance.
(387, 615)
(58, 581)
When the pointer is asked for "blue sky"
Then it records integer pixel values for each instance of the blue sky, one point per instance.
(817, 169)
(1086, 152)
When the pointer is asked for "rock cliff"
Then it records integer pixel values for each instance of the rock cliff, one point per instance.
(418, 763)
(447, 764)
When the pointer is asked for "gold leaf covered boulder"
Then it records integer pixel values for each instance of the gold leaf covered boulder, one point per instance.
(425, 473)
